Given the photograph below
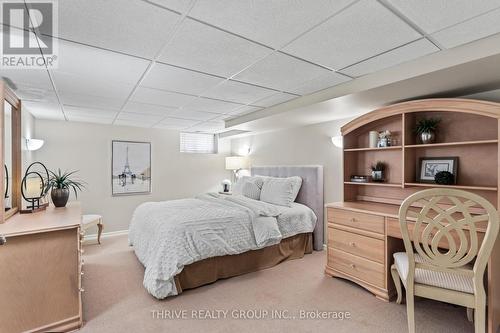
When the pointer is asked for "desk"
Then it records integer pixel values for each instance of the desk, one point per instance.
(362, 236)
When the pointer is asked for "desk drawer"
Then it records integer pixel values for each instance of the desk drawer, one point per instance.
(361, 268)
(352, 219)
(362, 246)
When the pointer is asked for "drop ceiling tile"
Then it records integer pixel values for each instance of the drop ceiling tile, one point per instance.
(274, 99)
(176, 123)
(208, 126)
(134, 123)
(74, 111)
(238, 92)
(99, 65)
(178, 5)
(363, 30)
(92, 120)
(207, 49)
(145, 108)
(176, 79)
(211, 105)
(476, 28)
(273, 23)
(402, 54)
(42, 110)
(130, 26)
(90, 101)
(160, 97)
(140, 117)
(280, 71)
(194, 115)
(435, 15)
(86, 85)
(30, 93)
(322, 82)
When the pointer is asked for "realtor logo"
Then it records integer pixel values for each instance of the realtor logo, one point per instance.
(27, 40)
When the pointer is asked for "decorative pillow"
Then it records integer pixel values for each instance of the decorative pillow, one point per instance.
(249, 187)
(280, 191)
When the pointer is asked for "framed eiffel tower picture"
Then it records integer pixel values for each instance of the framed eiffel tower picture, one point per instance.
(130, 167)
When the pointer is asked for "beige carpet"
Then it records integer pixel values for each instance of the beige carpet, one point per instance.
(115, 300)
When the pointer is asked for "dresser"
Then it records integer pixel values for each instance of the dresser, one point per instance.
(41, 270)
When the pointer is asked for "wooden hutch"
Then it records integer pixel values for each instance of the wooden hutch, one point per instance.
(363, 231)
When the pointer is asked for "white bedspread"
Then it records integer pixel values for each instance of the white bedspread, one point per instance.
(168, 235)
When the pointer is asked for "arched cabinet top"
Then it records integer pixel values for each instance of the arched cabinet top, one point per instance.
(478, 107)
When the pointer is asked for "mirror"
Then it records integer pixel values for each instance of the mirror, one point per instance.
(7, 149)
(10, 154)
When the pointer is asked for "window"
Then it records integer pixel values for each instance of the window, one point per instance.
(198, 143)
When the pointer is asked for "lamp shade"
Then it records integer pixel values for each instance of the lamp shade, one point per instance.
(237, 162)
(34, 144)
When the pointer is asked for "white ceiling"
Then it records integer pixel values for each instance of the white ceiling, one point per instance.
(191, 65)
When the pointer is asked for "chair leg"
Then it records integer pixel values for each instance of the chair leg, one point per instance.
(410, 310)
(397, 283)
(470, 314)
(480, 316)
(100, 226)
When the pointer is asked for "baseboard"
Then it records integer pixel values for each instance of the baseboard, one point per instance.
(106, 234)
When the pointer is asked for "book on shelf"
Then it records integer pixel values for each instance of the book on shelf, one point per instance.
(360, 179)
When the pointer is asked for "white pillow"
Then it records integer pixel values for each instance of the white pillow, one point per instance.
(250, 187)
(280, 191)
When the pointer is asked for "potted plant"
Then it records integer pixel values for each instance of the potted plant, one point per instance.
(60, 185)
(378, 171)
(426, 129)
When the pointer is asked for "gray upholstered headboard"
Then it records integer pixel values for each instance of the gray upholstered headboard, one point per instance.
(310, 194)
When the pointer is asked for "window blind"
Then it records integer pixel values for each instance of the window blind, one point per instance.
(198, 143)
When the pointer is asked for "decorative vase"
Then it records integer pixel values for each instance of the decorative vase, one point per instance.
(59, 196)
(427, 137)
(377, 176)
(373, 139)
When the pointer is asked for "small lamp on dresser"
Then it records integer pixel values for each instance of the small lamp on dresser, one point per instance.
(237, 163)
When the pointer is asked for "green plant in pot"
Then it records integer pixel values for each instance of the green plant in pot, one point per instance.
(60, 184)
(378, 171)
(426, 129)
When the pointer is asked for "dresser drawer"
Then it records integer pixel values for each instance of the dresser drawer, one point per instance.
(366, 270)
(362, 246)
(352, 219)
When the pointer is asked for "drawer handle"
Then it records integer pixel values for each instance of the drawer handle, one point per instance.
(352, 244)
(352, 266)
(82, 262)
(82, 273)
(352, 220)
(82, 290)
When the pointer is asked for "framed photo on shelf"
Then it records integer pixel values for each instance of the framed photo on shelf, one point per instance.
(130, 167)
(428, 167)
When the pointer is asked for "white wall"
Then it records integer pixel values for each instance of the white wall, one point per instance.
(302, 145)
(87, 148)
(27, 132)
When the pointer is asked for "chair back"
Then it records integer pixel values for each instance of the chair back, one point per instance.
(444, 231)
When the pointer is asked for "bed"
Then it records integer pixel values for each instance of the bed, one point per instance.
(178, 259)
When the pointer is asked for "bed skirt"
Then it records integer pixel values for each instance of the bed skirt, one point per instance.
(212, 269)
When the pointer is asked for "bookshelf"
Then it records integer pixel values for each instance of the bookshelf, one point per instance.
(469, 130)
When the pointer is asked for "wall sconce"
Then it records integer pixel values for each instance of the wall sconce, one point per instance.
(34, 144)
(337, 141)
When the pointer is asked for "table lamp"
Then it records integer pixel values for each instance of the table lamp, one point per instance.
(237, 163)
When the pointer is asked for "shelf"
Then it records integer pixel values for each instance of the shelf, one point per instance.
(374, 149)
(449, 144)
(463, 187)
(374, 184)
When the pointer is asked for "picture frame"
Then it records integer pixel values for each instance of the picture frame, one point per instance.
(428, 167)
(130, 167)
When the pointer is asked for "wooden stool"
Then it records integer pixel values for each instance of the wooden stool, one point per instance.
(91, 220)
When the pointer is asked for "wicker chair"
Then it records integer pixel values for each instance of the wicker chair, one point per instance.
(442, 219)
